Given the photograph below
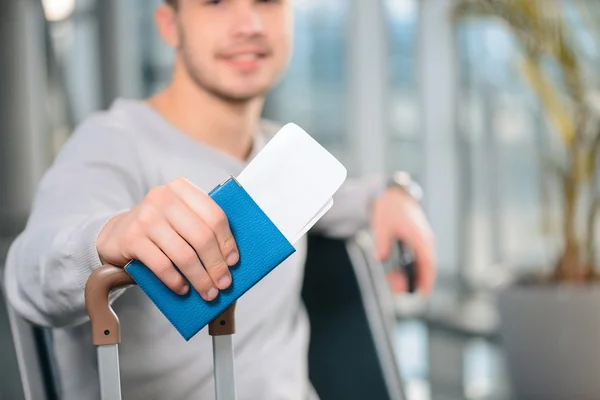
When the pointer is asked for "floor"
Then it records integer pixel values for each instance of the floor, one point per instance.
(440, 367)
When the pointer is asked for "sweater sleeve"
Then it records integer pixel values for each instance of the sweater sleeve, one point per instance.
(95, 176)
(351, 206)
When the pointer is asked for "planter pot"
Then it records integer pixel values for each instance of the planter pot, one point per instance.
(551, 336)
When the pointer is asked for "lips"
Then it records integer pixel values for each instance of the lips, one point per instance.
(245, 57)
(244, 60)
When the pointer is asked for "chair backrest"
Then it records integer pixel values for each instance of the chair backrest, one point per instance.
(10, 379)
(33, 349)
(379, 306)
(351, 354)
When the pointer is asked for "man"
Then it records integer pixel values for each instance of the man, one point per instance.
(131, 183)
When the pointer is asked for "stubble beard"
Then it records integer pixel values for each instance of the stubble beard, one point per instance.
(203, 83)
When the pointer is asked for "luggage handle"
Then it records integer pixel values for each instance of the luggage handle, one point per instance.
(105, 323)
(106, 334)
(222, 329)
(224, 324)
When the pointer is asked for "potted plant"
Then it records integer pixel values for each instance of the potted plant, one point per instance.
(550, 323)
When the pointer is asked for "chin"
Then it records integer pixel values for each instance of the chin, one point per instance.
(245, 93)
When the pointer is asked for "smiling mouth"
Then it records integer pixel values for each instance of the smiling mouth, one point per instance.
(245, 62)
(245, 57)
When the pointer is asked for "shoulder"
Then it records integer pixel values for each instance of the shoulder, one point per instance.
(106, 133)
(120, 120)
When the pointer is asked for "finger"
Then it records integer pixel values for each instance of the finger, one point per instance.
(397, 281)
(383, 244)
(195, 232)
(210, 212)
(153, 258)
(184, 257)
(425, 262)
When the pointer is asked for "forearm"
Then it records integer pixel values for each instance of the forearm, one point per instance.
(47, 268)
(351, 208)
(94, 178)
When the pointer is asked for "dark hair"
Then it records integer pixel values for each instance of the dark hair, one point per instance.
(171, 2)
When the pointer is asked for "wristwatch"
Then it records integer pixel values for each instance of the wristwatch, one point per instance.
(403, 181)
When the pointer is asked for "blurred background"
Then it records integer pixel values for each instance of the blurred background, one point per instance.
(386, 85)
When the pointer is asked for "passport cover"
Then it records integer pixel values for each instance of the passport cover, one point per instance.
(261, 245)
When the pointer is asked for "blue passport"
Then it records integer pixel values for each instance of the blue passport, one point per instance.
(261, 245)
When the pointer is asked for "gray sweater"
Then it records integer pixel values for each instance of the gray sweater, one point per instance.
(107, 166)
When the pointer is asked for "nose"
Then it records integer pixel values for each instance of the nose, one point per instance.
(248, 21)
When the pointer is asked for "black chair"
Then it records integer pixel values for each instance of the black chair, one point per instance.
(29, 364)
(351, 313)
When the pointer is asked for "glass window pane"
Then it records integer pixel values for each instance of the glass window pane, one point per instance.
(509, 140)
(403, 144)
(74, 34)
(157, 58)
(313, 91)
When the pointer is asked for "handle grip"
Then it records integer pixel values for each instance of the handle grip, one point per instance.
(224, 324)
(105, 323)
(408, 265)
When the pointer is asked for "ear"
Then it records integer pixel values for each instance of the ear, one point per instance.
(165, 18)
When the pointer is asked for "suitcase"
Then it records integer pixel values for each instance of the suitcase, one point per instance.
(263, 247)
(106, 335)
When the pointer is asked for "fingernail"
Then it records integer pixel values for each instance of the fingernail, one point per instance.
(224, 281)
(184, 290)
(211, 294)
(232, 258)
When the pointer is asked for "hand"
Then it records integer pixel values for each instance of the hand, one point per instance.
(177, 223)
(396, 216)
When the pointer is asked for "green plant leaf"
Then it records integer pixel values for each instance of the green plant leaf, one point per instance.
(549, 96)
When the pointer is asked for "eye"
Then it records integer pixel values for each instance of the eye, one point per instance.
(213, 2)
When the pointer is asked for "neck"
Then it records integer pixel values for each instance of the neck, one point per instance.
(226, 126)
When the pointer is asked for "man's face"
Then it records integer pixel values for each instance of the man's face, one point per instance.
(235, 49)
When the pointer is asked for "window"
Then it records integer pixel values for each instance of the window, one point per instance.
(73, 28)
(313, 92)
(404, 147)
(504, 128)
(156, 57)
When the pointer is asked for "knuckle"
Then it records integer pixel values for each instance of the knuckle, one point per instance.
(218, 266)
(219, 219)
(205, 282)
(229, 244)
(159, 195)
(187, 256)
(162, 267)
(177, 183)
(202, 282)
(130, 239)
(146, 215)
(155, 193)
(204, 240)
